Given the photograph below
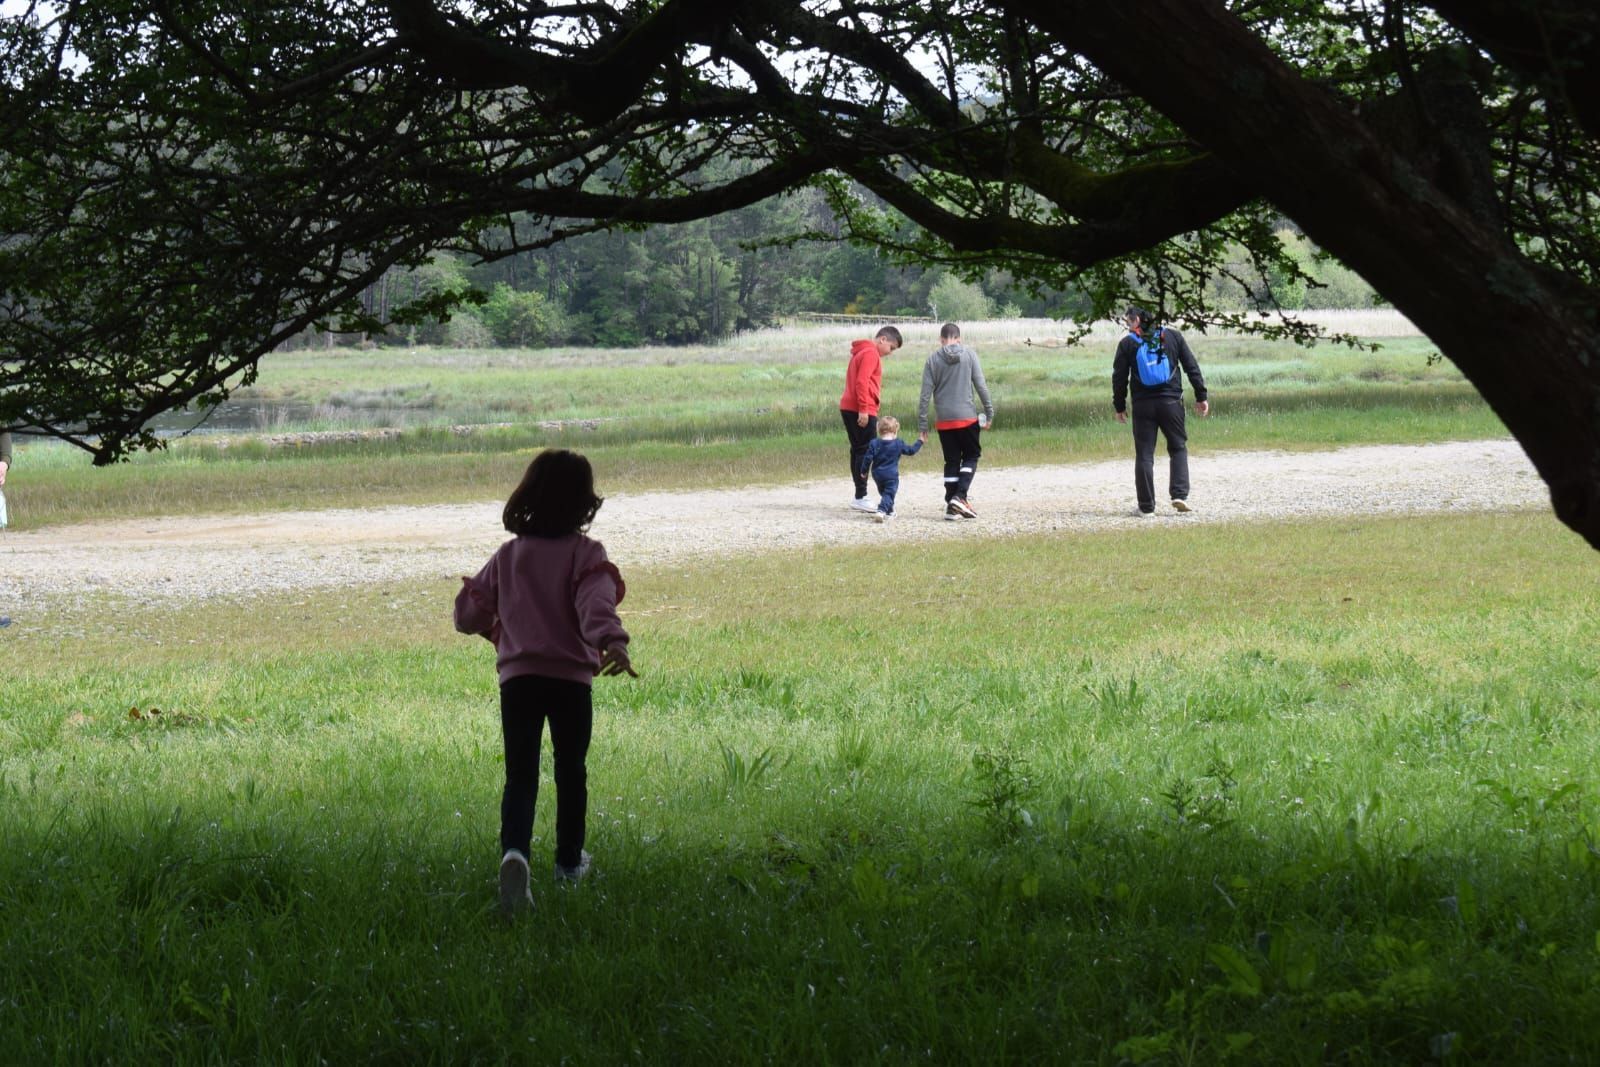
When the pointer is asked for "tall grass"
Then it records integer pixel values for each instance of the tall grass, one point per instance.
(1358, 322)
(658, 422)
(1303, 792)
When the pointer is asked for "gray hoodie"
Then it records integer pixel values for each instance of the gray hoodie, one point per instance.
(949, 378)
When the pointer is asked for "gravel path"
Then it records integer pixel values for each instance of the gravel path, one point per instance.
(228, 556)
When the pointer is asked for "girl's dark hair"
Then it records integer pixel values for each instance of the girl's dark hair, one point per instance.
(556, 496)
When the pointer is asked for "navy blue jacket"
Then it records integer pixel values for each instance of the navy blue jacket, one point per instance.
(883, 456)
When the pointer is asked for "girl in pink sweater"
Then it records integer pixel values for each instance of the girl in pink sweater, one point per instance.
(547, 600)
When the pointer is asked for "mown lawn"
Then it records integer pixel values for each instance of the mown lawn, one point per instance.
(1302, 793)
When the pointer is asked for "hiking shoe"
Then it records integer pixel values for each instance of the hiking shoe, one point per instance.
(1181, 506)
(515, 895)
(950, 512)
(861, 503)
(882, 516)
(962, 508)
(575, 874)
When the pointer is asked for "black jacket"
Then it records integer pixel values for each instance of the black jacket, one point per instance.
(1122, 372)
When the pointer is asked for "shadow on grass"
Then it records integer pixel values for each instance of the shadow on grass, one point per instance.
(813, 914)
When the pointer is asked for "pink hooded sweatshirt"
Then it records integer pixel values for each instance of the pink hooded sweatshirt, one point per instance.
(548, 605)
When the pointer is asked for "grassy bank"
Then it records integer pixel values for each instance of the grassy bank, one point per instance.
(784, 376)
(671, 424)
(1318, 791)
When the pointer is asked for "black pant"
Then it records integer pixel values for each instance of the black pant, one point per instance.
(1165, 414)
(961, 450)
(860, 438)
(525, 703)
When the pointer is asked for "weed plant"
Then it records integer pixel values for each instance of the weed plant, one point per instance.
(1310, 793)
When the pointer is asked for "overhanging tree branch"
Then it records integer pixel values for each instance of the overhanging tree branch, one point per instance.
(212, 181)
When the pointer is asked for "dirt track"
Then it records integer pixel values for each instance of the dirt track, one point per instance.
(226, 556)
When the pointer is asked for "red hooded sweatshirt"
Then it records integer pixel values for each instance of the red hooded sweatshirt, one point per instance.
(863, 379)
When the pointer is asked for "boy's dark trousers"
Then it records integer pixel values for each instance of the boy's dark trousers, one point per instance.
(860, 438)
(961, 451)
(1163, 413)
(526, 701)
(887, 488)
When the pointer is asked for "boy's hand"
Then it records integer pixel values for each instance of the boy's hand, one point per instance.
(614, 660)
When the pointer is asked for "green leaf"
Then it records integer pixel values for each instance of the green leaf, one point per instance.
(1467, 903)
(1242, 977)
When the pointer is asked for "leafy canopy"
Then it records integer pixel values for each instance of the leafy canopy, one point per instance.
(186, 184)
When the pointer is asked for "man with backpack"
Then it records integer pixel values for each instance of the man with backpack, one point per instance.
(1151, 361)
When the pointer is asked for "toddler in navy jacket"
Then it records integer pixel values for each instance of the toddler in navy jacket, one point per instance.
(882, 461)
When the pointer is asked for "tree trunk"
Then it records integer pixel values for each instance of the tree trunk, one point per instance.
(1533, 354)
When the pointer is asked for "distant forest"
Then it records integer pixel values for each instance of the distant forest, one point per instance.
(699, 282)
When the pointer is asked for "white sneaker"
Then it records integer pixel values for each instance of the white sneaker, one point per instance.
(1140, 513)
(950, 513)
(861, 503)
(881, 516)
(575, 874)
(1181, 506)
(515, 895)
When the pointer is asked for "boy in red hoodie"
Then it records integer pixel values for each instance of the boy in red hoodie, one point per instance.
(858, 407)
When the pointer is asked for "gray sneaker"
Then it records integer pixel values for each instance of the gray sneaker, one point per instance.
(515, 895)
(1181, 506)
(575, 874)
(963, 508)
(950, 512)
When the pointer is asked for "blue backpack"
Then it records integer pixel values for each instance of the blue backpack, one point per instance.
(1151, 359)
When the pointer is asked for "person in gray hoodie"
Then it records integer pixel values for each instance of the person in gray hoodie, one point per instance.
(950, 378)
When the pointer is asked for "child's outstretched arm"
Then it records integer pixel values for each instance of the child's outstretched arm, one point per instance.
(477, 607)
(600, 589)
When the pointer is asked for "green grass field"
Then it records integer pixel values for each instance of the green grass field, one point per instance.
(1316, 792)
(708, 418)
(1300, 793)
